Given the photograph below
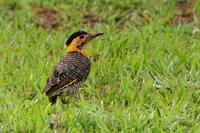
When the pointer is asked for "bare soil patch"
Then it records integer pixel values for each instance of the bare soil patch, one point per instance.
(185, 14)
(46, 18)
(91, 20)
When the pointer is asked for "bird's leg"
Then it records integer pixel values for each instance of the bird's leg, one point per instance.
(53, 99)
(63, 99)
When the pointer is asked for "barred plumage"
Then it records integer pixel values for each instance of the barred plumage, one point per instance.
(72, 69)
(67, 75)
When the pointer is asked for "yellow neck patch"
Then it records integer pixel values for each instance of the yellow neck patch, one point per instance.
(72, 48)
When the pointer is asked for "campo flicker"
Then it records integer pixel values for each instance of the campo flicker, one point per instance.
(72, 69)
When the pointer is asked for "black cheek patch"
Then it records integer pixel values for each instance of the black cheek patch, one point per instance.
(80, 46)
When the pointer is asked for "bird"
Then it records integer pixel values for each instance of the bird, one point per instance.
(72, 69)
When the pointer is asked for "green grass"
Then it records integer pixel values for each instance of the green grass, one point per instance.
(145, 77)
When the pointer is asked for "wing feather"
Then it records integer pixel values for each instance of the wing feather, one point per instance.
(73, 68)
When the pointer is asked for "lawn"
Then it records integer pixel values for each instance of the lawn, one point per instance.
(145, 74)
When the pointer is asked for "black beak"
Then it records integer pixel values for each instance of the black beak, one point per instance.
(92, 36)
(96, 35)
(89, 38)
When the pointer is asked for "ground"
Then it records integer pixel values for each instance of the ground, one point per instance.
(145, 74)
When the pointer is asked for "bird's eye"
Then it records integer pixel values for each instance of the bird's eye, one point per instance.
(81, 37)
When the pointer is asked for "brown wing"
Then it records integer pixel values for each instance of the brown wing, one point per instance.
(71, 69)
(60, 77)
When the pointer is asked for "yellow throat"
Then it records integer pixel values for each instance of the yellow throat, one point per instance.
(73, 48)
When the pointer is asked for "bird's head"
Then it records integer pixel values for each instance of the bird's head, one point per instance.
(79, 39)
